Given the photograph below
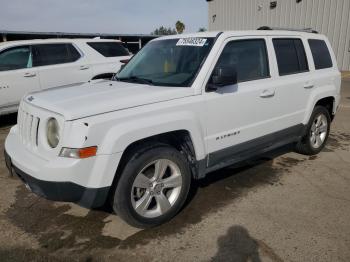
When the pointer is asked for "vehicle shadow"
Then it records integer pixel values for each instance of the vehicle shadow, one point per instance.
(67, 228)
(232, 171)
(56, 229)
(217, 190)
(8, 120)
(245, 165)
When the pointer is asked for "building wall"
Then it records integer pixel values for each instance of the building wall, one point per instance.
(329, 17)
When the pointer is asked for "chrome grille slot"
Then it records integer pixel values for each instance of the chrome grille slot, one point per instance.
(28, 126)
(37, 132)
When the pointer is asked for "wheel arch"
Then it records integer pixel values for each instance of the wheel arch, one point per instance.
(179, 139)
(329, 103)
(323, 96)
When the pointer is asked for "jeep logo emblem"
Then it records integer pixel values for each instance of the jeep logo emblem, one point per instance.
(30, 99)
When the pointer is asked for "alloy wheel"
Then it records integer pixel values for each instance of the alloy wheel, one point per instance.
(318, 131)
(156, 188)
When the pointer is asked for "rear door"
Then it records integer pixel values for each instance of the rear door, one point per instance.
(17, 75)
(60, 64)
(326, 76)
(293, 81)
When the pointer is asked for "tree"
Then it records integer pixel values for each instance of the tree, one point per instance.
(202, 29)
(180, 27)
(164, 31)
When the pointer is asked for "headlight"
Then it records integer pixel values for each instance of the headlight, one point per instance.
(53, 132)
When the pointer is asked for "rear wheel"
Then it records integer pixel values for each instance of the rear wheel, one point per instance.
(153, 186)
(317, 132)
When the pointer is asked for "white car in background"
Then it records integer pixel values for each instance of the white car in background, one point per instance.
(34, 65)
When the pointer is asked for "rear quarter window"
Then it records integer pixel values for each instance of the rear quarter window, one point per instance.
(320, 53)
(109, 49)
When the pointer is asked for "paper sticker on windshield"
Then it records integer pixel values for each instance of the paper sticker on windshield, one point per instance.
(191, 41)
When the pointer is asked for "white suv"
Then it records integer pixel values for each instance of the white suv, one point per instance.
(27, 66)
(183, 106)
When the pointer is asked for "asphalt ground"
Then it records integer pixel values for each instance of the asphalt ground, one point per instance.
(282, 207)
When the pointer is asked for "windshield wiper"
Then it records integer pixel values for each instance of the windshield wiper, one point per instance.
(136, 79)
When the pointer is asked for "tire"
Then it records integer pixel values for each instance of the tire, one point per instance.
(313, 142)
(142, 196)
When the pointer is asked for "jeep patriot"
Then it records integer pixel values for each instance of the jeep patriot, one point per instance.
(183, 106)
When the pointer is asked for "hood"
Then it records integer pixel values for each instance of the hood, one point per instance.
(101, 96)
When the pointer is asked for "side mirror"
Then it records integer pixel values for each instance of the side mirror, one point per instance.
(122, 66)
(125, 61)
(223, 76)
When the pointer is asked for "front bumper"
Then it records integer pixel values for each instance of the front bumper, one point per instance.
(61, 191)
(83, 181)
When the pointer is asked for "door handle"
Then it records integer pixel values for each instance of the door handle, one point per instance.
(29, 74)
(308, 86)
(267, 93)
(84, 67)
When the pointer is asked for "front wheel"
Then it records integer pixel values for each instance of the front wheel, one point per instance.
(317, 132)
(153, 186)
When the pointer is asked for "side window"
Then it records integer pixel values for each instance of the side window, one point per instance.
(291, 57)
(109, 49)
(249, 57)
(15, 58)
(74, 55)
(320, 53)
(53, 54)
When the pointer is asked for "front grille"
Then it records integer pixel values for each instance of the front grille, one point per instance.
(28, 126)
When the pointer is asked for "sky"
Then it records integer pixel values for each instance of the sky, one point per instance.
(102, 16)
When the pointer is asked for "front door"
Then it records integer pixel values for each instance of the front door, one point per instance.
(241, 118)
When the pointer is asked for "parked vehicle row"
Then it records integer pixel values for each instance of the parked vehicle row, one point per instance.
(35, 65)
(183, 106)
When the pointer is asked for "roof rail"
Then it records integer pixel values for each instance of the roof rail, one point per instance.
(307, 30)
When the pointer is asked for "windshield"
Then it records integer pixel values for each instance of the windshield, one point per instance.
(172, 62)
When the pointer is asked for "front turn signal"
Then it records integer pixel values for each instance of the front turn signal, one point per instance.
(79, 153)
